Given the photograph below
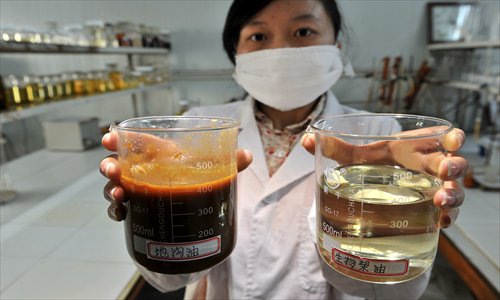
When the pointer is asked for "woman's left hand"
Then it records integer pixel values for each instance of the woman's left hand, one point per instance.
(446, 167)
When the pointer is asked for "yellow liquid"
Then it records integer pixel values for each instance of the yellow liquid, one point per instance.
(13, 96)
(58, 90)
(49, 91)
(378, 223)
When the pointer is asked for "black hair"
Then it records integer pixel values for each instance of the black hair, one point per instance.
(242, 11)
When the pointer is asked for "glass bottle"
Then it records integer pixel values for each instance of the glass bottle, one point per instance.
(68, 85)
(58, 85)
(99, 81)
(78, 83)
(110, 34)
(122, 30)
(76, 35)
(48, 87)
(38, 88)
(12, 88)
(95, 31)
(110, 86)
(28, 92)
(3, 92)
(164, 39)
(155, 37)
(116, 77)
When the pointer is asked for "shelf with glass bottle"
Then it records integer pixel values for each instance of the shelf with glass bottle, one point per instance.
(463, 45)
(463, 85)
(33, 48)
(34, 109)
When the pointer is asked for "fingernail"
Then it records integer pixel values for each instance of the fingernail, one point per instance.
(112, 211)
(460, 137)
(453, 170)
(112, 193)
(108, 167)
(447, 221)
(449, 198)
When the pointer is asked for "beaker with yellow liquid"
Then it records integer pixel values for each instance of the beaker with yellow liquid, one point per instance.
(376, 219)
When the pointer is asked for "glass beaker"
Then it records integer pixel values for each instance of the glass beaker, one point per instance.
(179, 177)
(376, 220)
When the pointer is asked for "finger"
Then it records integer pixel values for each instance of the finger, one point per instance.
(114, 193)
(110, 168)
(243, 159)
(448, 217)
(344, 152)
(452, 168)
(451, 195)
(110, 141)
(308, 142)
(117, 212)
(454, 140)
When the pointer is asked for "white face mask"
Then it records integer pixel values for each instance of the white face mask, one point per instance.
(288, 78)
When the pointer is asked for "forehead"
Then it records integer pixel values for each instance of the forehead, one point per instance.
(291, 10)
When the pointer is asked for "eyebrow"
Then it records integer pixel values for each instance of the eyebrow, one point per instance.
(305, 17)
(302, 17)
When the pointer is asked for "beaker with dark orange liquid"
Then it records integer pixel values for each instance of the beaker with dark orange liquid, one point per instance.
(179, 176)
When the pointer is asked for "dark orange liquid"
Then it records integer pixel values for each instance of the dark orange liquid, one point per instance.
(180, 216)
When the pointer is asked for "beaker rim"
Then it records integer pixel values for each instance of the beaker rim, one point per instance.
(442, 126)
(208, 123)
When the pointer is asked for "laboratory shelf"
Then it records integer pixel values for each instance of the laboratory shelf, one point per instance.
(463, 85)
(36, 109)
(463, 45)
(31, 48)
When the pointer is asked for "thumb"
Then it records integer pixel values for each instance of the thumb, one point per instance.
(308, 142)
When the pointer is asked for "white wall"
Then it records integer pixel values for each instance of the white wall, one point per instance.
(376, 29)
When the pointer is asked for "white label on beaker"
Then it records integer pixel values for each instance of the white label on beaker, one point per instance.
(378, 267)
(183, 251)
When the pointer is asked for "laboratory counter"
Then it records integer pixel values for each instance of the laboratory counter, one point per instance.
(57, 241)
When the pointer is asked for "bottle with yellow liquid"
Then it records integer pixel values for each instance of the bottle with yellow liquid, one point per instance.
(38, 89)
(67, 85)
(13, 88)
(28, 90)
(89, 83)
(116, 77)
(99, 81)
(58, 86)
(48, 88)
(78, 83)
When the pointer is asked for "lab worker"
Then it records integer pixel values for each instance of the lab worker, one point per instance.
(286, 60)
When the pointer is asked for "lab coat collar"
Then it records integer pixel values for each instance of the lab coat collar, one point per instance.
(298, 164)
(249, 139)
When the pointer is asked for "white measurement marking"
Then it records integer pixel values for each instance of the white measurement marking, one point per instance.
(377, 176)
(171, 210)
(362, 202)
(182, 236)
(186, 214)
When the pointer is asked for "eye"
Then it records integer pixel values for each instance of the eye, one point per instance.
(258, 37)
(303, 32)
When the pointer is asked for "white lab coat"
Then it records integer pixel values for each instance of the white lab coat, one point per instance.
(275, 255)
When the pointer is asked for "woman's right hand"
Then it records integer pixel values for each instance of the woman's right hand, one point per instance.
(110, 168)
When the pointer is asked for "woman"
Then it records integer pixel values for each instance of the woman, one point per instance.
(286, 61)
